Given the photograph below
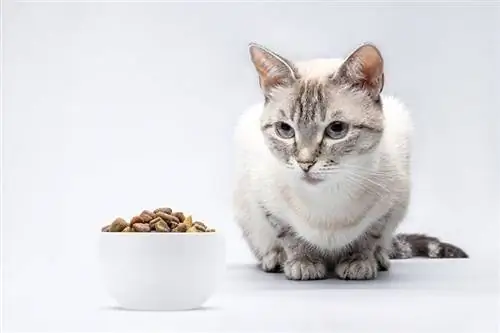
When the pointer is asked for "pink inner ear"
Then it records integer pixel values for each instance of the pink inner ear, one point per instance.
(372, 64)
(263, 69)
(272, 72)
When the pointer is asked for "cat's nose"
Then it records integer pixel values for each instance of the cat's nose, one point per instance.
(306, 166)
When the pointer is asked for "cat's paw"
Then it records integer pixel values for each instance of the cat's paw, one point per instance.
(357, 267)
(382, 258)
(304, 269)
(273, 261)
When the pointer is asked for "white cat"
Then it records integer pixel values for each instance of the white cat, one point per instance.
(322, 166)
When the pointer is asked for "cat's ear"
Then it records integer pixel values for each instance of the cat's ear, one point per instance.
(364, 69)
(274, 71)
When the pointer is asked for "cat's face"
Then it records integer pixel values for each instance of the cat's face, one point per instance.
(321, 116)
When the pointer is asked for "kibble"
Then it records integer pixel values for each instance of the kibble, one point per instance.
(147, 216)
(192, 229)
(161, 226)
(181, 228)
(200, 225)
(167, 217)
(162, 219)
(136, 219)
(163, 210)
(180, 216)
(141, 227)
(155, 220)
(118, 225)
(188, 221)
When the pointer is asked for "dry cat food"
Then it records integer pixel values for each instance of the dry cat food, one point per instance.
(159, 220)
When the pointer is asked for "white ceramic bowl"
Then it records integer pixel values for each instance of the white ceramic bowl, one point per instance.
(161, 271)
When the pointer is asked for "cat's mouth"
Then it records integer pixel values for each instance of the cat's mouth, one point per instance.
(310, 179)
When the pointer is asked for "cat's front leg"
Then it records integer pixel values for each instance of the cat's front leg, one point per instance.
(303, 261)
(362, 263)
(369, 253)
(357, 265)
(360, 260)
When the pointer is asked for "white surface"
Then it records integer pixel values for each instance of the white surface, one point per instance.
(416, 296)
(159, 271)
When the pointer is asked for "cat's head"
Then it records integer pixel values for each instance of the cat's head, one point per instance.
(321, 115)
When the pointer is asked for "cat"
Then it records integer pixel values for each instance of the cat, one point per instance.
(323, 169)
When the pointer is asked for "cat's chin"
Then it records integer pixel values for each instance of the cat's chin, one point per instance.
(311, 180)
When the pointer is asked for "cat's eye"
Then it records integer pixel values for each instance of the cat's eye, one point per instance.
(284, 130)
(337, 130)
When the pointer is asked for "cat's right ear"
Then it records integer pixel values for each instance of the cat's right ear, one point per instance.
(274, 71)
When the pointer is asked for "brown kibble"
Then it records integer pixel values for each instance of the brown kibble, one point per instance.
(118, 225)
(136, 219)
(181, 228)
(200, 229)
(188, 221)
(180, 216)
(163, 210)
(147, 216)
(160, 220)
(147, 212)
(161, 226)
(155, 220)
(167, 217)
(201, 225)
(141, 227)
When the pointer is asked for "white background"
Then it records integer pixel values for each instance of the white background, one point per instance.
(111, 108)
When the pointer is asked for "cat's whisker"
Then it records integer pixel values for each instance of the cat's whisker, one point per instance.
(364, 178)
(369, 171)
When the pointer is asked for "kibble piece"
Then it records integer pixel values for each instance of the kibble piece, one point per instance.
(147, 216)
(163, 210)
(118, 225)
(181, 228)
(180, 216)
(147, 212)
(193, 229)
(167, 217)
(200, 225)
(141, 227)
(161, 226)
(198, 228)
(136, 219)
(105, 228)
(154, 221)
(210, 230)
(188, 221)
(172, 224)
(127, 229)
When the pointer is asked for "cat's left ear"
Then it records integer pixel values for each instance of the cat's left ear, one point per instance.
(364, 69)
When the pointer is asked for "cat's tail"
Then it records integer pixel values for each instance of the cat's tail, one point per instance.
(406, 246)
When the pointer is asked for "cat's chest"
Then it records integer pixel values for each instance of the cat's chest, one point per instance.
(317, 207)
(328, 220)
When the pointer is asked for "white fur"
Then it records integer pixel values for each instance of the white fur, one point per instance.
(316, 212)
(315, 69)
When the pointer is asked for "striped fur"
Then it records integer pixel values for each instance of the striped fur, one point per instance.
(405, 246)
